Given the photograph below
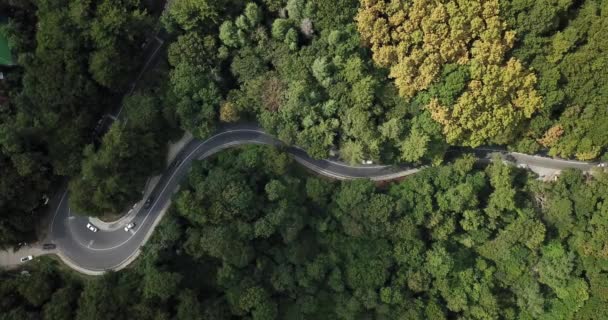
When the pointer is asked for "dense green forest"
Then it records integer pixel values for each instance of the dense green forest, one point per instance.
(250, 235)
(373, 80)
(397, 81)
(113, 176)
(74, 60)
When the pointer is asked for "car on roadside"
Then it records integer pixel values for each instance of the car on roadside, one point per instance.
(175, 163)
(129, 226)
(603, 165)
(91, 227)
(27, 258)
(48, 246)
(148, 202)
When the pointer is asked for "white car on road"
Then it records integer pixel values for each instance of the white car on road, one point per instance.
(27, 258)
(129, 226)
(91, 227)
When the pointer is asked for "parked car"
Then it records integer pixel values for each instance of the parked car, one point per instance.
(129, 226)
(48, 246)
(148, 202)
(27, 258)
(603, 165)
(91, 227)
(175, 163)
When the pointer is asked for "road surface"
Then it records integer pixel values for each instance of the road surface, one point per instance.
(93, 253)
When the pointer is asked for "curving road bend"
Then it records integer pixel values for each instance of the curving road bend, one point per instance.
(94, 253)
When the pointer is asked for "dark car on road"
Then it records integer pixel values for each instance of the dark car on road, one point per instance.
(148, 202)
(49, 246)
(175, 163)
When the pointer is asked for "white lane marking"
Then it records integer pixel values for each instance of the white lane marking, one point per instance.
(341, 164)
(90, 243)
(535, 156)
(202, 144)
(70, 217)
(323, 171)
(132, 231)
(57, 210)
(209, 153)
(553, 159)
(177, 170)
(228, 145)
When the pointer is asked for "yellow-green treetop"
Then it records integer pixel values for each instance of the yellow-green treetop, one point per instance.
(415, 39)
(495, 102)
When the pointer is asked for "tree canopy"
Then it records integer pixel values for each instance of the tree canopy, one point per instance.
(416, 40)
(250, 235)
(73, 58)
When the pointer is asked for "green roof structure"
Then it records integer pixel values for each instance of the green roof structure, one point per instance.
(6, 58)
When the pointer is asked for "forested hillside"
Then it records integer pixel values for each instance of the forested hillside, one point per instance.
(369, 80)
(397, 81)
(252, 236)
(563, 41)
(74, 58)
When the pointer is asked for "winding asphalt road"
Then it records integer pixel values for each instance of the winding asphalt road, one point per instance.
(94, 253)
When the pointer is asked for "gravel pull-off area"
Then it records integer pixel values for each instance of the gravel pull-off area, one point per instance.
(11, 259)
